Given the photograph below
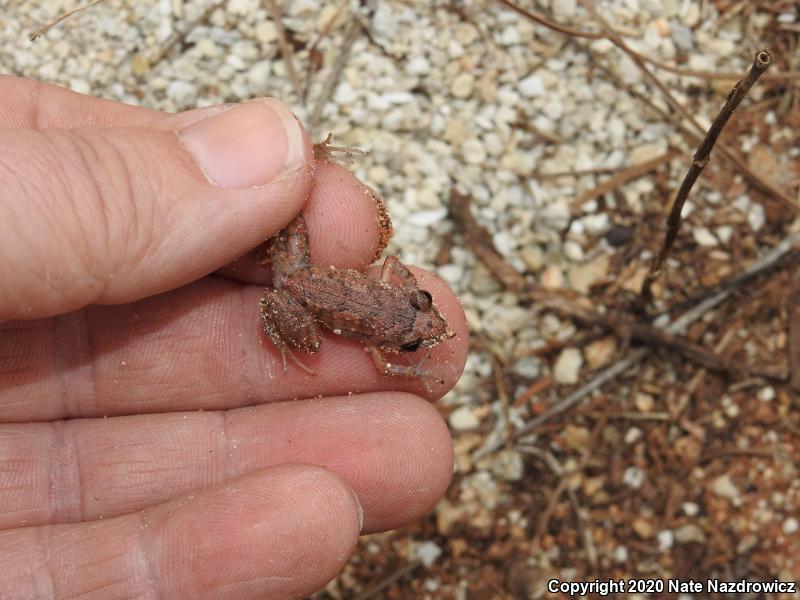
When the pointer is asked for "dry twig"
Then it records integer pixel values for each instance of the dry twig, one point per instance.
(761, 62)
(696, 138)
(479, 240)
(765, 262)
(683, 72)
(537, 18)
(350, 36)
(621, 178)
(399, 574)
(755, 178)
(313, 53)
(794, 332)
(179, 36)
(62, 17)
(285, 47)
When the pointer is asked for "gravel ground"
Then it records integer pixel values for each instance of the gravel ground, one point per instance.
(673, 469)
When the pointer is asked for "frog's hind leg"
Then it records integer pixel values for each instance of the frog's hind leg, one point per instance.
(391, 369)
(290, 326)
(393, 266)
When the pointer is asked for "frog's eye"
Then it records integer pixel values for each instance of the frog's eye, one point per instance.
(411, 347)
(422, 300)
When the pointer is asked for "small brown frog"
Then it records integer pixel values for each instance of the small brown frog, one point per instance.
(384, 315)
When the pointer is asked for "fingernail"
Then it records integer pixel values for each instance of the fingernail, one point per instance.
(360, 513)
(246, 146)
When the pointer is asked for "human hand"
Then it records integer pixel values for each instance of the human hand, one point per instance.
(113, 217)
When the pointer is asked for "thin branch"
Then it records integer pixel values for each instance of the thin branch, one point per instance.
(179, 36)
(312, 51)
(537, 18)
(679, 325)
(580, 310)
(353, 30)
(576, 173)
(400, 573)
(794, 331)
(696, 138)
(478, 240)
(707, 75)
(624, 176)
(62, 17)
(782, 196)
(285, 47)
(761, 62)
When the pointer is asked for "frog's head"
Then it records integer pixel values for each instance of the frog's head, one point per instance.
(429, 327)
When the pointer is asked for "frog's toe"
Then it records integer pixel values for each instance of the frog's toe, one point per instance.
(295, 360)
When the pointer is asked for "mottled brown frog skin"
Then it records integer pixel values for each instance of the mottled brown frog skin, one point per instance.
(385, 316)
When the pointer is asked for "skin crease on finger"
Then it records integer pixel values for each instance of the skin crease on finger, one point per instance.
(282, 532)
(392, 449)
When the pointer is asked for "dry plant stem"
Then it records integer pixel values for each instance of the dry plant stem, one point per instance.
(639, 59)
(326, 29)
(178, 37)
(564, 486)
(62, 17)
(765, 185)
(399, 574)
(622, 178)
(285, 47)
(575, 173)
(708, 75)
(480, 242)
(765, 262)
(537, 18)
(761, 62)
(353, 29)
(793, 313)
(729, 452)
(696, 138)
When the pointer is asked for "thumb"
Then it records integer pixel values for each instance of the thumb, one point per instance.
(110, 215)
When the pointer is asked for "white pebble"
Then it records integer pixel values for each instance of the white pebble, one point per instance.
(181, 92)
(665, 539)
(531, 86)
(452, 274)
(463, 419)
(428, 552)
(633, 477)
(688, 533)
(568, 366)
(690, 509)
(474, 152)
(527, 366)
(724, 487)
(462, 85)
(424, 218)
(790, 526)
(418, 65)
(766, 394)
(704, 237)
(633, 435)
(756, 217)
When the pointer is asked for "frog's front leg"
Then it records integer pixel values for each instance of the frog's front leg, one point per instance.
(288, 250)
(421, 299)
(405, 371)
(393, 266)
(290, 326)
